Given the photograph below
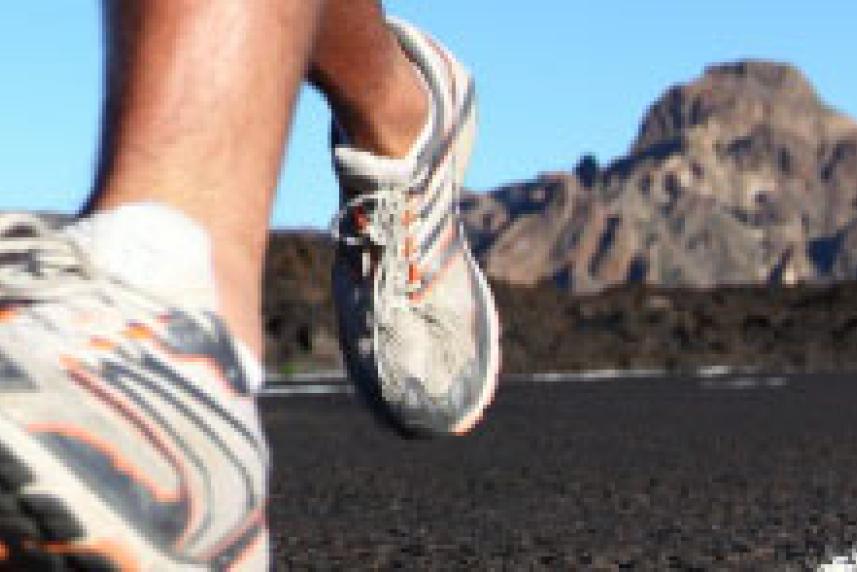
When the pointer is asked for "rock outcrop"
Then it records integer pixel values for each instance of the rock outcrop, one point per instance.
(743, 176)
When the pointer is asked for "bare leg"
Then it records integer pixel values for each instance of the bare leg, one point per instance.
(200, 99)
(374, 91)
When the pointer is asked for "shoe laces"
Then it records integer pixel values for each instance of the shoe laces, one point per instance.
(40, 267)
(37, 263)
(377, 219)
(376, 223)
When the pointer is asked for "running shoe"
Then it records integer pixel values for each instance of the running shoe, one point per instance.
(129, 439)
(418, 325)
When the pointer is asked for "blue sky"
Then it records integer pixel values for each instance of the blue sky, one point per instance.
(557, 78)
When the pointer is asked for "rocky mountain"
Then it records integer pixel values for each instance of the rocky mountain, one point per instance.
(741, 176)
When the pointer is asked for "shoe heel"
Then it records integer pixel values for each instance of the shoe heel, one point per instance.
(464, 146)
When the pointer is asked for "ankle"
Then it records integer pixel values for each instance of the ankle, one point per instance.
(245, 326)
(389, 124)
(239, 297)
(199, 267)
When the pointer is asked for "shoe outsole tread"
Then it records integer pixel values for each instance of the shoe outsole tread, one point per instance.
(30, 522)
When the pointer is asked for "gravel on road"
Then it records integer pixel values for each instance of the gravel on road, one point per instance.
(641, 473)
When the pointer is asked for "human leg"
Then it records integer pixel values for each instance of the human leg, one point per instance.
(129, 437)
(199, 102)
(374, 90)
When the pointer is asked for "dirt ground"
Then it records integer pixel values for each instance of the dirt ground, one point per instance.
(627, 474)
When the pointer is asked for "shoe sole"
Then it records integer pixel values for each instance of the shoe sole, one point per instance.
(490, 390)
(464, 149)
(44, 511)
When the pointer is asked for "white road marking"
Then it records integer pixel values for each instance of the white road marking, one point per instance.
(846, 563)
(306, 389)
(710, 377)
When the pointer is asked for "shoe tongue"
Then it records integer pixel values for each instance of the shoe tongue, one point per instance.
(359, 170)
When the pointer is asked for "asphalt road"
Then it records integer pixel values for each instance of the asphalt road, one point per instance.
(724, 473)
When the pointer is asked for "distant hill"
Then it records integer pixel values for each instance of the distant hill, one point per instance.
(798, 328)
(743, 176)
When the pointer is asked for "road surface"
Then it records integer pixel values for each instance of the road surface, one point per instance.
(710, 472)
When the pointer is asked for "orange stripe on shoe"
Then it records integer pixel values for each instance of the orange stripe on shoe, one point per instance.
(418, 296)
(413, 273)
(141, 332)
(102, 344)
(4, 551)
(248, 552)
(8, 313)
(102, 390)
(114, 552)
(441, 250)
(108, 450)
(209, 362)
(138, 332)
(410, 248)
(255, 517)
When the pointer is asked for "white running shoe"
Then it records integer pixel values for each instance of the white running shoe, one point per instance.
(128, 437)
(418, 324)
